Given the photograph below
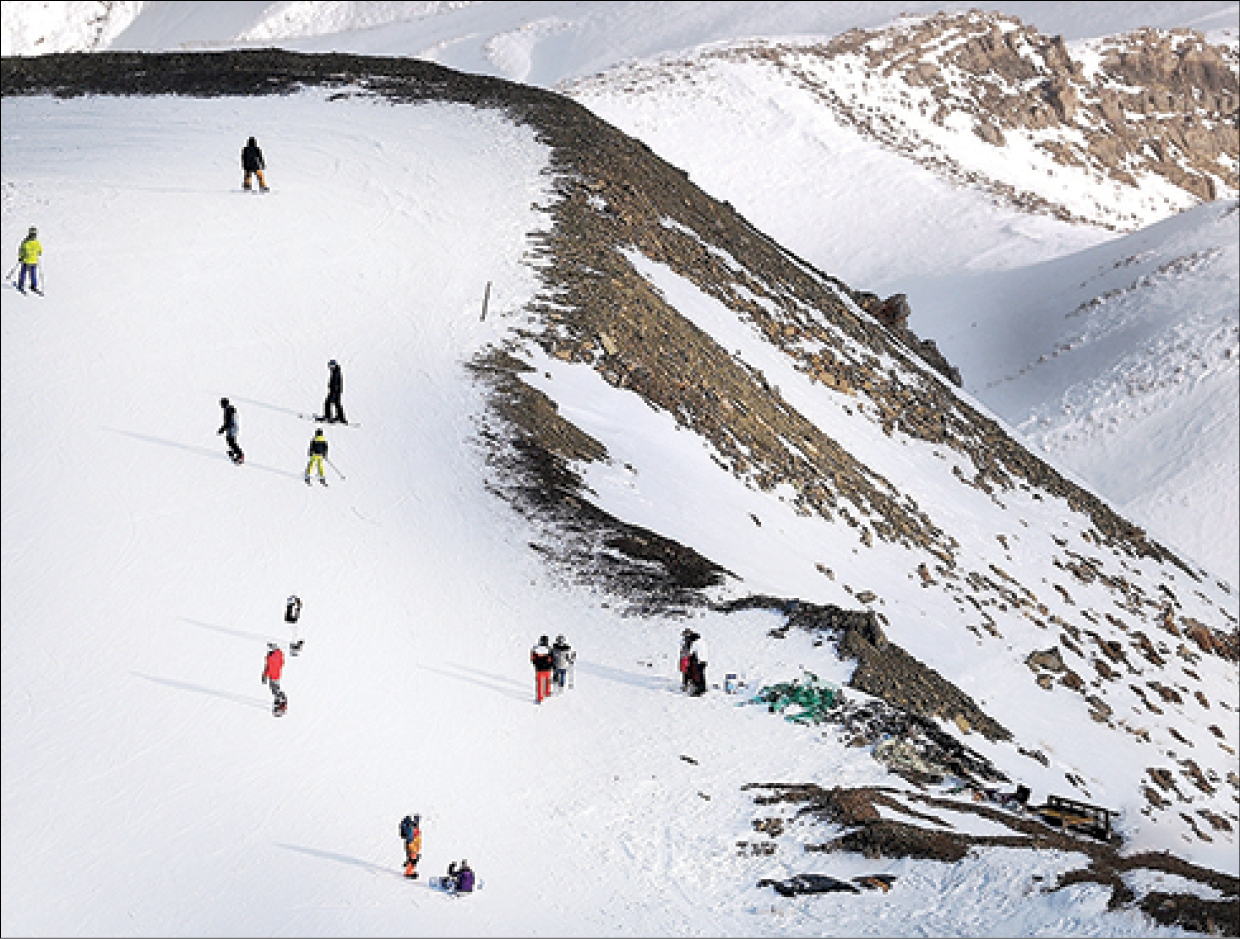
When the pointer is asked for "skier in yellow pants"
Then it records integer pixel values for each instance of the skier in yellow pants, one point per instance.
(318, 453)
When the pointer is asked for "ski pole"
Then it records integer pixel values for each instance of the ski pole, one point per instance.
(486, 297)
(333, 466)
(12, 271)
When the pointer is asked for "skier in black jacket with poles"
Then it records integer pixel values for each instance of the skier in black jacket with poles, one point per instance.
(333, 409)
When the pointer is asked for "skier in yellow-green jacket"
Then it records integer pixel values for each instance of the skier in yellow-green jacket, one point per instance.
(28, 255)
(318, 453)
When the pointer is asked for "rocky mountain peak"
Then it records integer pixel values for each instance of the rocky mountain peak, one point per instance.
(1148, 107)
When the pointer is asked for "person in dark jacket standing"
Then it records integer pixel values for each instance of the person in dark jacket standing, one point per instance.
(685, 642)
(230, 429)
(253, 164)
(543, 662)
(333, 409)
(698, 657)
(318, 453)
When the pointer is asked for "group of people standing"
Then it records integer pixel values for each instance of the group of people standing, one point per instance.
(333, 412)
(693, 657)
(553, 667)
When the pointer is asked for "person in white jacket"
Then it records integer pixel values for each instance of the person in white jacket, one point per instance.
(698, 657)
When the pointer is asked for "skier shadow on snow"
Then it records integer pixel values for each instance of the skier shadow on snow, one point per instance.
(247, 700)
(500, 684)
(649, 682)
(201, 451)
(342, 859)
(229, 631)
(271, 407)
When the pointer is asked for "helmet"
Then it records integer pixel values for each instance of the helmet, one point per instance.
(33, 230)
(417, 820)
(223, 402)
(318, 432)
(560, 638)
(542, 640)
(273, 646)
(331, 363)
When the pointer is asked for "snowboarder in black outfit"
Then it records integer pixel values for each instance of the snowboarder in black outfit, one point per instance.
(333, 410)
(253, 164)
(292, 613)
(229, 429)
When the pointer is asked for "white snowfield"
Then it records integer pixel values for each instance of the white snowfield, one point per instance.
(147, 788)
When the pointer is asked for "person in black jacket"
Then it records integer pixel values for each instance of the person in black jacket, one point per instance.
(333, 409)
(317, 453)
(253, 164)
(229, 429)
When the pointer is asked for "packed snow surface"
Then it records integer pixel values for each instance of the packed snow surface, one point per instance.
(147, 788)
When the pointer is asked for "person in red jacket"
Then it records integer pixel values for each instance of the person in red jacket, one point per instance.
(543, 662)
(273, 668)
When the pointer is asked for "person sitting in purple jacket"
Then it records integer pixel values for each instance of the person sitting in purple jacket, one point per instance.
(461, 879)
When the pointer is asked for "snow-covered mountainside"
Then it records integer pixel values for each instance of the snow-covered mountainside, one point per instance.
(853, 152)
(1117, 132)
(1123, 366)
(693, 426)
(1043, 115)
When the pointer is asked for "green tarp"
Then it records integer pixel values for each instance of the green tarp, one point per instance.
(804, 701)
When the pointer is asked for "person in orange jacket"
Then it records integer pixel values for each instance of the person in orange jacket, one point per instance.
(543, 662)
(273, 668)
(411, 834)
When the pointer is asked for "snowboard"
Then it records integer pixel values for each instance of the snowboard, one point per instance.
(318, 419)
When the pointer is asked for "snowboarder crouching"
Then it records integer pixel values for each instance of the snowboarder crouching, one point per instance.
(543, 662)
(411, 834)
(460, 878)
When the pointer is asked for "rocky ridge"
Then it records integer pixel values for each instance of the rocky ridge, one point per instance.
(1119, 112)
